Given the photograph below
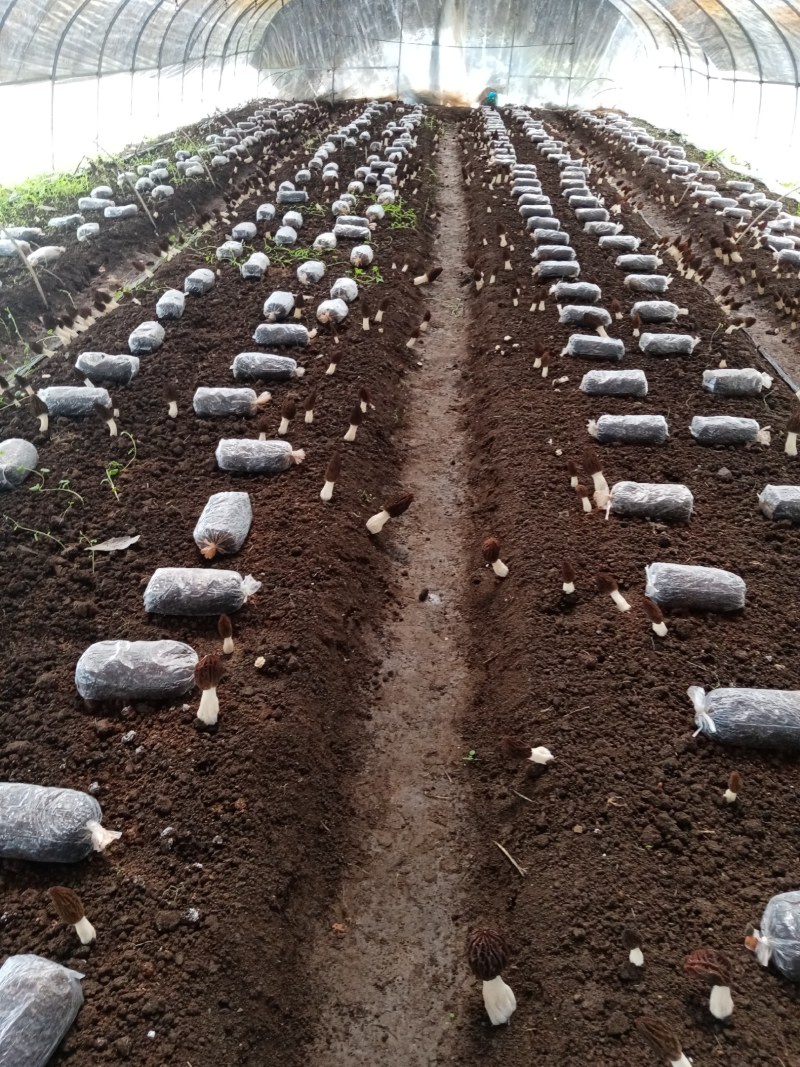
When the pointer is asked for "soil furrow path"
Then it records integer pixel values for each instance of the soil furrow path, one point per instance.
(390, 957)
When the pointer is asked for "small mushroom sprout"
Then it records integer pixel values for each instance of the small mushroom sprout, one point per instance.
(311, 399)
(107, 415)
(572, 470)
(207, 675)
(491, 554)
(567, 578)
(225, 631)
(632, 943)
(392, 511)
(608, 587)
(71, 911)
(429, 276)
(355, 421)
(365, 399)
(288, 412)
(708, 963)
(656, 617)
(332, 472)
(487, 953)
(39, 409)
(731, 794)
(586, 500)
(663, 1039)
(171, 397)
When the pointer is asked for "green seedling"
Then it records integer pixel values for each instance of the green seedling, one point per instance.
(471, 756)
(116, 468)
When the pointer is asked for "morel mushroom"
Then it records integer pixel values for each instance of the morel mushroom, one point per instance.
(332, 473)
(207, 675)
(70, 910)
(607, 585)
(383, 307)
(487, 953)
(491, 553)
(171, 397)
(365, 399)
(429, 276)
(391, 511)
(355, 422)
(288, 412)
(107, 415)
(39, 409)
(731, 794)
(311, 399)
(225, 631)
(663, 1039)
(708, 963)
(513, 748)
(583, 493)
(592, 466)
(633, 946)
(654, 614)
(567, 578)
(572, 469)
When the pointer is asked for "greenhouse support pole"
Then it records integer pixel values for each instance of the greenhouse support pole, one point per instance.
(53, 123)
(511, 49)
(572, 49)
(400, 47)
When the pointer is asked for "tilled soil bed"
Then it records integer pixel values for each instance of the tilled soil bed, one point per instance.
(231, 835)
(627, 828)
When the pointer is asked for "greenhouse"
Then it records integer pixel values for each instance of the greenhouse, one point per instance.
(400, 529)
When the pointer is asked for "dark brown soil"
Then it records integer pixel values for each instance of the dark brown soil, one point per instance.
(244, 822)
(628, 826)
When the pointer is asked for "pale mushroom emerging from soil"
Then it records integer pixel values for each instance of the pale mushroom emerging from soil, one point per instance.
(71, 911)
(731, 794)
(663, 1039)
(225, 631)
(608, 586)
(331, 476)
(391, 511)
(207, 676)
(633, 945)
(487, 953)
(656, 617)
(708, 963)
(491, 554)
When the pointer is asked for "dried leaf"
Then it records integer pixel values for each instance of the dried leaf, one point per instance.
(113, 544)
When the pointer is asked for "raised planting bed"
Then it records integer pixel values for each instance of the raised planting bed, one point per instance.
(627, 829)
(231, 834)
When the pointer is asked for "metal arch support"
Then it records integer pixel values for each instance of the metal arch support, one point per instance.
(65, 33)
(197, 32)
(792, 57)
(253, 6)
(112, 23)
(267, 10)
(156, 8)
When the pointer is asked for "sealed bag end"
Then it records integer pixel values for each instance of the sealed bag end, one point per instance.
(102, 838)
(250, 586)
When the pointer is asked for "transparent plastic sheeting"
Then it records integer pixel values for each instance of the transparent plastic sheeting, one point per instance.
(724, 71)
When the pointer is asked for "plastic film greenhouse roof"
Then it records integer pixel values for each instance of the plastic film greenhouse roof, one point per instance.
(61, 39)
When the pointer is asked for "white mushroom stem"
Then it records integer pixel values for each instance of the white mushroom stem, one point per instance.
(364, 406)
(365, 322)
(541, 755)
(730, 797)
(500, 569)
(85, 931)
(601, 490)
(720, 1002)
(377, 522)
(351, 432)
(587, 504)
(573, 481)
(284, 427)
(790, 448)
(227, 646)
(499, 1001)
(172, 410)
(44, 422)
(660, 629)
(209, 707)
(683, 1061)
(331, 368)
(379, 315)
(310, 415)
(636, 957)
(620, 601)
(326, 493)
(568, 587)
